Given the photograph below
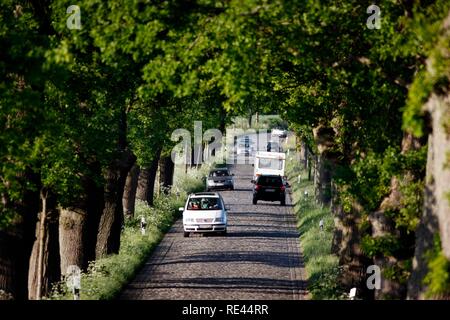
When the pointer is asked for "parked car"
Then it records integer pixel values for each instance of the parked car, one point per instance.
(204, 212)
(269, 188)
(220, 178)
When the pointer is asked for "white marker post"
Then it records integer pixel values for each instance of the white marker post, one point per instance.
(352, 294)
(143, 225)
(299, 178)
(321, 224)
(74, 281)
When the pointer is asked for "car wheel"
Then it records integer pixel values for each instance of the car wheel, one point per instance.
(255, 201)
(232, 188)
(186, 234)
(283, 202)
(223, 233)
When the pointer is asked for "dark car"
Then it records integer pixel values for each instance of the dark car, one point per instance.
(220, 178)
(274, 147)
(269, 188)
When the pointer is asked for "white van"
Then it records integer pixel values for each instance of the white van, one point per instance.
(204, 212)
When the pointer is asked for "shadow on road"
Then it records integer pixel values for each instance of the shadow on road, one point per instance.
(225, 283)
(276, 259)
(263, 234)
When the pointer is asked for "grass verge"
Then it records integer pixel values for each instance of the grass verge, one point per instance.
(321, 265)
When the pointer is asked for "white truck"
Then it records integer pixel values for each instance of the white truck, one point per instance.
(269, 163)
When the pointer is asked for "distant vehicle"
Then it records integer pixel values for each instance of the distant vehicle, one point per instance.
(244, 149)
(204, 212)
(273, 146)
(220, 178)
(279, 133)
(269, 163)
(269, 188)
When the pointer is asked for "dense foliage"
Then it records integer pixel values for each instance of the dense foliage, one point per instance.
(75, 103)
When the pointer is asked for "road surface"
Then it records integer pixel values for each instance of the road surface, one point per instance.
(258, 259)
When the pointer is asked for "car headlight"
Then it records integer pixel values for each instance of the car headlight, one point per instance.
(189, 219)
(219, 219)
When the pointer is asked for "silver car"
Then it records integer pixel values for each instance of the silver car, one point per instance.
(220, 178)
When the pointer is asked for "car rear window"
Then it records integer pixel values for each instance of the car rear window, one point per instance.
(275, 164)
(206, 203)
(270, 181)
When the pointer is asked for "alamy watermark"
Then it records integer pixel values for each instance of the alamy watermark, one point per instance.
(236, 146)
(374, 20)
(74, 20)
(374, 280)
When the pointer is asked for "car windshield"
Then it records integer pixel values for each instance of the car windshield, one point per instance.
(206, 203)
(219, 173)
(270, 181)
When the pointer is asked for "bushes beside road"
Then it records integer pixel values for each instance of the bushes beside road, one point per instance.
(321, 265)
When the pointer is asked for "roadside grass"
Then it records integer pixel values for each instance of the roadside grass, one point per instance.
(321, 265)
(105, 278)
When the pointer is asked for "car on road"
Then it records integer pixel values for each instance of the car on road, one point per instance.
(204, 212)
(281, 133)
(269, 188)
(244, 149)
(273, 146)
(220, 178)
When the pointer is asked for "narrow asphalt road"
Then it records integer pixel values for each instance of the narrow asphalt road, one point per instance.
(259, 258)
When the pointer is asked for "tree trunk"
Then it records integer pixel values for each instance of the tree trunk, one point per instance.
(309, 167)
(44, 260)
(436, 212)
(10, 244)
(72, 237)
(78, 225)
(303, 154)
(166, 169)
(111, 220)
(129, 194)
(16, 241)
(325, 162)
(323, 180)
(425, 233)
(223, 117)
(143, 185)
(146, 181)
(382, 225)
(346, 245)
(439, 147)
